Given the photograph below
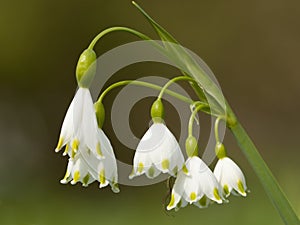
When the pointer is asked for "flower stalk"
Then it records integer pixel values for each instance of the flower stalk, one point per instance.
(144, 84)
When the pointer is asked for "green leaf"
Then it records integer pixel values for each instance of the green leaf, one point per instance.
(188, 65)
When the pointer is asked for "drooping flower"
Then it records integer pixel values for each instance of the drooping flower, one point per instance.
(79, 127)
(228, 173)
(196, 184)
(86, 166)
(230, 177)
(158, 151)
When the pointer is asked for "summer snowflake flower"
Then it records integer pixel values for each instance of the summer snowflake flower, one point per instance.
(91, 154)
(80, 125)
(158, 151)
(196, 184)
(86, 167)
(230, 176)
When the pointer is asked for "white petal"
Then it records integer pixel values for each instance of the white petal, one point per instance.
(219, 174)
(67, 128)
(208, 182)
(158, 147)
(78, 109)
(152, 172)
(89, 122)
(80, 171)
(67, 176)
(192, 192)
(106, 149)
(141, 164)
(231, 175)
(177, 191)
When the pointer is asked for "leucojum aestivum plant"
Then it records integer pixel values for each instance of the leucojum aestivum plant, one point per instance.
(91, 155)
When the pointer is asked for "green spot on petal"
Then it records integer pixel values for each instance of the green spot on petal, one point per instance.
(172, 201)
(203, 201)
(226, 190)
(76, 176)
(73, 153)
(179, 204)
(241, 187)
(115, 186)
(98, 149)
(151, 171)
(66, 149)
(216, 194)
(193, 196)
(165, 164)
(140, 167)
(102, 178)
(185, 170)
(175, 170)
(85, 180)
(66, 175)
(75, 145)
(60, 143)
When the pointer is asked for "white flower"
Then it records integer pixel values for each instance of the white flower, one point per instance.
(80, 126)
(91, 154)
(86, 167)
(158, 151)
(196, 184)
(230, 177)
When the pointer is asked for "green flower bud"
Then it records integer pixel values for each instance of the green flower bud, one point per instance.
(191, 146)
(86, 68)
(100, 113)
(220, 150)
(157, 111)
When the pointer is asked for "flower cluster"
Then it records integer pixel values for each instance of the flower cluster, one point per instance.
(91, 155)
(91, 158)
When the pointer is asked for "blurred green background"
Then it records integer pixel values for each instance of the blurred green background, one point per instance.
(252, 47)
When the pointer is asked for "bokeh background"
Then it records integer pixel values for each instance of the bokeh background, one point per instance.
(252, 47)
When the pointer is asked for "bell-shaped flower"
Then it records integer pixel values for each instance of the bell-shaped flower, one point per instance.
(158, 151)
(79, 129)
(86, 166)
(195, 184)
(230, 177)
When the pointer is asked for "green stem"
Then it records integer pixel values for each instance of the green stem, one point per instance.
(127, 29)
(144, 84)
(192, 118)
(217, 129)
(173, 81)
(266, 177)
